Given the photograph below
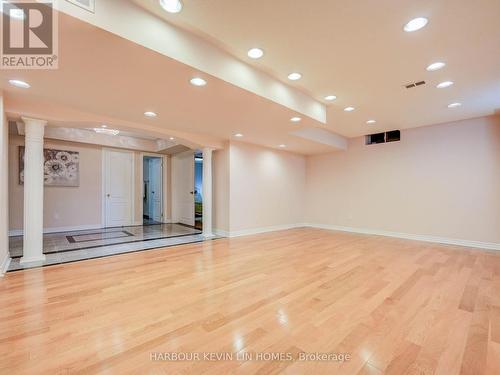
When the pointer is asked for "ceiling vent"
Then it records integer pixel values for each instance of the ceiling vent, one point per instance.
(415, 84)
(85, 4)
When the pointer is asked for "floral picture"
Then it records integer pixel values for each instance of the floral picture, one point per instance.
(61, 168)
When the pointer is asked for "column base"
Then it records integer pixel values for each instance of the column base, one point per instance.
(25, 260)
(208, 235)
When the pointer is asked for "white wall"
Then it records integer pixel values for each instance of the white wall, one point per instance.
(441, 181)
(266, 188)
(4, 188)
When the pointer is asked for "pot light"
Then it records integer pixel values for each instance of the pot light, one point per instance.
(415, 24)
(106, 131)
(20, 84)
(282, 146)
(294, 76)
(239, 135)
(371, 122)
(150, 114)
(435, 66)
(197, 81)
(171, 6)
(295, 119)
(444, 84)
(330, 98)
(454, 105)
(172, 138)
(349, 109)
(255, 53)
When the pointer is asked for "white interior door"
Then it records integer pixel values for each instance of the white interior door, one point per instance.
(156, 189)
(183, 187)
(118, 188)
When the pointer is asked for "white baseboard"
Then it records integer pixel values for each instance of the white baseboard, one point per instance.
(19, 232)
(4, 265)
(248, 232)
(407, 236)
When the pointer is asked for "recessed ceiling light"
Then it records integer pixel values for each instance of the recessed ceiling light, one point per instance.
(197, 81)
(171, 138)
(415, 24)
(104, 126)
(295, 119)
(435, 66)
(171, 6)
(371, 122)
(294, 76)
(20, 84)
(349, 109)
(255, 53)
(444, 84)
(330, 98)
(150, 114)
(239, 135)
(282, 146)
(104, 130)
(454, 105)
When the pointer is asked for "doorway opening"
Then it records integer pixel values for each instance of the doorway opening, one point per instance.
(152, 200)
(198, 190)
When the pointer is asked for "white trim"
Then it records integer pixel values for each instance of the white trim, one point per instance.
(4, 265)
(221, 232)
(248, 232)
(19, 232)
(408, 236)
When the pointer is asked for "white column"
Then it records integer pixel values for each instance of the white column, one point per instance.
(207, 192)
(33, 190)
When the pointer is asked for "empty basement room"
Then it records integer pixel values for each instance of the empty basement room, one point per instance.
(250, 187)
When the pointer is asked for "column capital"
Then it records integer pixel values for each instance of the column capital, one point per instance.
(31, 120)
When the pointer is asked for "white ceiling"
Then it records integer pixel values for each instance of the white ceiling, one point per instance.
(358, 51)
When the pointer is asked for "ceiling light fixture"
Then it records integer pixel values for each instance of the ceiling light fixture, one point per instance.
(197, 81)
(371, 122)
(171, 138)
(435, 66)
(106, 131)
(20, 84)
(239, 135)
(349, 109)
(330, 98)
(444, 84)
(454, 105)
(171, 6)
(294, 76)
(150, 114)
(415, 24)
(255, 53)
(282, 146)
(295, 119)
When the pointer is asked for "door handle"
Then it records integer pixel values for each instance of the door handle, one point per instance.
(108, 195)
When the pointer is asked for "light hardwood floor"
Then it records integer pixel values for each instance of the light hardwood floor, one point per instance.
(398, 306)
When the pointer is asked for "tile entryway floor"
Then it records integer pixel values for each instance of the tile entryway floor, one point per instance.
(79, 245)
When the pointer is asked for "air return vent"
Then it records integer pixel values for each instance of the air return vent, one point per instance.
(85, 4)
(392, 136)
(415, 84)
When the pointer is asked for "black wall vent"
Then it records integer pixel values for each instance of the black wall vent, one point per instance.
(392, 136)
(415, 84)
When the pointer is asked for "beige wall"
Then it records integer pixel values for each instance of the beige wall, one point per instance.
(69, 207)
(220, 177)
(63, 206)
(4, 194)
(267, 187)
(441, 180)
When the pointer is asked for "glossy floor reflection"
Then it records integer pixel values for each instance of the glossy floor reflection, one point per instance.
(66, 247)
